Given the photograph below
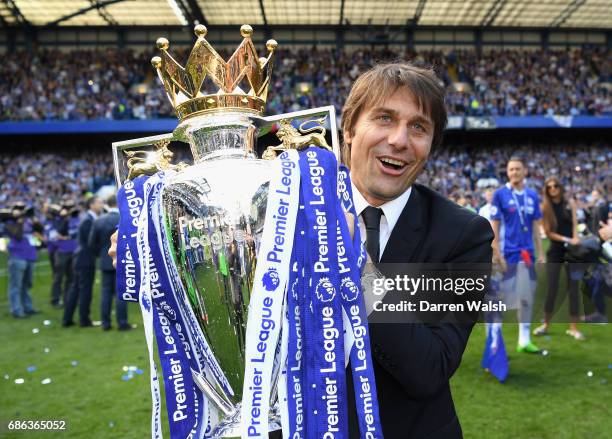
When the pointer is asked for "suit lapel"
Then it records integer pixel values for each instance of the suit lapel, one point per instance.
(405, 237)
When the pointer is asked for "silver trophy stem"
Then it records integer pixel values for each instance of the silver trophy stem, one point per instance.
(219, 135)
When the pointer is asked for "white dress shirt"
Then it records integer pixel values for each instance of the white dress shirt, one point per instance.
(485, 211)
(391, 213)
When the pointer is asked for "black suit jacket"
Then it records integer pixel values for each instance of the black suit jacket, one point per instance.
(413, 362)
(99, 238)
(85, 256)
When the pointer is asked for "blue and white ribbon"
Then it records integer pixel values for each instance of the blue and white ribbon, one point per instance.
(269, 285)
(148, 316)
(324, 300)
(362, 367)
(345, 194)
(294, 378)
(130, 199)
(319, 192)
(185, 402)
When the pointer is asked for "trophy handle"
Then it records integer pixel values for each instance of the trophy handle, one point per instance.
(293, 133)
(144, 156)
(206, 387)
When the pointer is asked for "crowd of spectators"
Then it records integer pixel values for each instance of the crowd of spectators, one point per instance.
(39, 178)
(113, 84)
(462, 173)
(459, 172)
(79, 85)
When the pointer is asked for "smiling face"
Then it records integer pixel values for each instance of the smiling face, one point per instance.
(389, 144)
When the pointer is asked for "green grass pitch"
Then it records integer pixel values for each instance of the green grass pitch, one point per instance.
(544, 397)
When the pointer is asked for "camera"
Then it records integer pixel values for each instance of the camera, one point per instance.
(17, 210)
(69, 208)
(16, 214)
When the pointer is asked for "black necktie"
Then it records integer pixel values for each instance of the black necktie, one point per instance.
(371, 219)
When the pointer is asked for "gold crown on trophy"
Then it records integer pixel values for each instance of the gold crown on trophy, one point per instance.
(183, 84)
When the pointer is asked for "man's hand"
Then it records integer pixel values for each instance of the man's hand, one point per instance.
(499, 260)
(112, 251)
(350, 220)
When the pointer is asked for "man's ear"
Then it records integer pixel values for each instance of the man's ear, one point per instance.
(345, 150)
(346, 135)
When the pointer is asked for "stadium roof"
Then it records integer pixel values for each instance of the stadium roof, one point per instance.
(503, 13)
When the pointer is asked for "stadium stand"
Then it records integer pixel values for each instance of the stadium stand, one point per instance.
(43, 176)
(120, 84)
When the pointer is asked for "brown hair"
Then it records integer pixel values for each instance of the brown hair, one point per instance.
(381, 81)
(517, 158)
(548, 215)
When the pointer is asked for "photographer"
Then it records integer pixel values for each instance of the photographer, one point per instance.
(67, 229)
(22, 232)
(599, 225)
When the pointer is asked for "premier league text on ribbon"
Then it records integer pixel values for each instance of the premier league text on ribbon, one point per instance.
(162, 318)
(131, 201)
(332, 364)
(134, 202)
(280, 217)
(359, 329)
(278, 254)
(296, 368)
(359, 357)
(177, 377)
(316, 173)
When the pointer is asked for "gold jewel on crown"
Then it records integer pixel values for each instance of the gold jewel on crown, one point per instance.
(183, 84)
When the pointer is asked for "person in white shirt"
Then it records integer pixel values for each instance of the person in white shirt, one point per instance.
(485, 210)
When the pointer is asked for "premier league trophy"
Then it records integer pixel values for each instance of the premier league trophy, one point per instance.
(212, 213)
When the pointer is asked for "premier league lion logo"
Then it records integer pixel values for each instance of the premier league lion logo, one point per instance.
(145, 302)
(271, 280)
(348, 289)
(325, 290)
(167, 309)
(294, 289)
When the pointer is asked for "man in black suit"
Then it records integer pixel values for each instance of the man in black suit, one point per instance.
(84, 267)
(99, 240)
(392, 119)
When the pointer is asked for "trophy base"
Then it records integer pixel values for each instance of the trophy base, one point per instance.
(229, 426)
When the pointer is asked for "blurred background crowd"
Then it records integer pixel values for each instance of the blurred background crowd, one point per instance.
(44, 177)
(112, 84)
(38, 178)
(463, 173)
